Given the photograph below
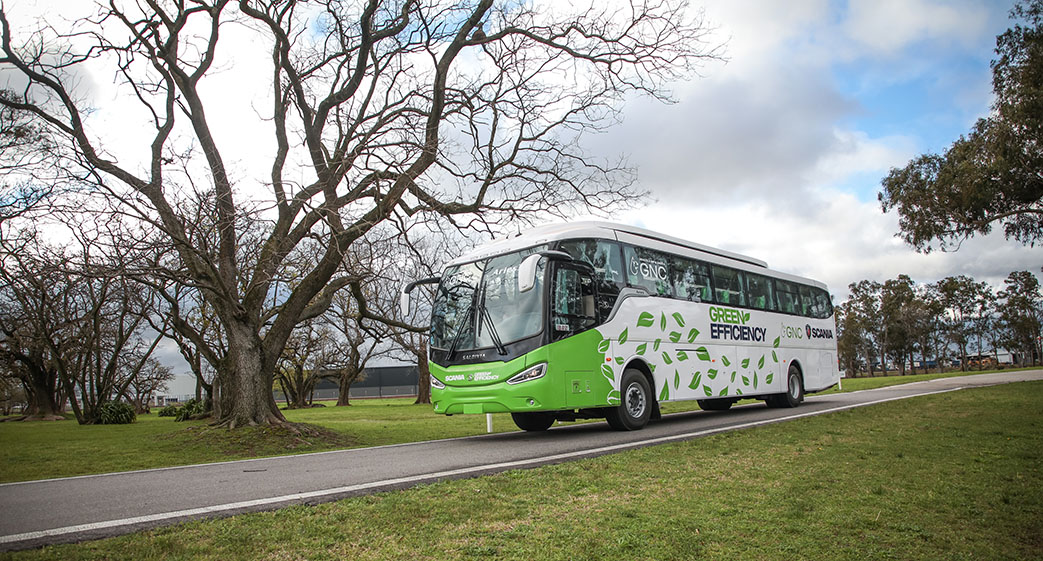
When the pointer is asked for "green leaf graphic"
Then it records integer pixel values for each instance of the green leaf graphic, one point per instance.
(613, 396)
(738, 391)
(603, 346)
(677, 379)
(623, 337)
(667, 359)
(655, 344)
(725, 360)
(606, 370)
(711, 373)
(679, 319)
(675, 336)
(724, 391)
(754, 380)
(662, 321)
(702, 353)
(641, 348)
(768, 378)
(692, 334)
(745, 317)
(745, 381)
(745, 363)
(681, 355)
(760, 363)
(645, 319)
(707, 390)
(776, 343)
(733, 375)
(652, 368)
(774, 356)
(665, 394)
(619, 360)
(695, 381)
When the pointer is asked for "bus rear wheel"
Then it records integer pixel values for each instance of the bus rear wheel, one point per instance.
(794, 393)
(533, 422)
(635, 402)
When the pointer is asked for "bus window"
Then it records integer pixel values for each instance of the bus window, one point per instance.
(759, 293)
(807, 300)
(816, 302)
(789, 298)
(605, 257)
(573, 302)
(647, 269)
(690, 280)
(727, 285)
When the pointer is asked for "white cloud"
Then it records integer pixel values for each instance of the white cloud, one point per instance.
(889, 26)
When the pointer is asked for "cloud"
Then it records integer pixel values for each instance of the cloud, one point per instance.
(887, 27)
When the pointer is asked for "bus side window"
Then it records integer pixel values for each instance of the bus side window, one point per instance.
(807, 301)
(648, 269)
(690, 279)
(789, 299)
(605, 257)
(728, 286)
(759, 293)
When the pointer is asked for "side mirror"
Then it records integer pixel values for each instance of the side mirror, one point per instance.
(527, 272)
(527, 269)
(403, 299)
(403, 304)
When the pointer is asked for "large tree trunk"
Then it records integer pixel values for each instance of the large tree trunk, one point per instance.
(347, 376)
(41, 392)
(246, 382)
(423, 393)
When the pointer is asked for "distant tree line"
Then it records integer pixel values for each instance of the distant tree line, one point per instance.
(903, 323)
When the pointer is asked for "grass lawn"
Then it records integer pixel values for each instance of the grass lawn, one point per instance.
(41, 450)
(950, 476)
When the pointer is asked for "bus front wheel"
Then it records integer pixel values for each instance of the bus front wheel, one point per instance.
(794, 393)
(533, 422)
(635, 402)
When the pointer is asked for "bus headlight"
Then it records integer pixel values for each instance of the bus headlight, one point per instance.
(529, 374)
(437, 384)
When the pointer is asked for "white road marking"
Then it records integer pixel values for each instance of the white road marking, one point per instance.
(297, 497)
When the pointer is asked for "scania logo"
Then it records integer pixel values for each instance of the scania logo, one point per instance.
(473, 356)
(807, 329)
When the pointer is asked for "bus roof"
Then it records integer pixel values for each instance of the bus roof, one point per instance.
(606, 230)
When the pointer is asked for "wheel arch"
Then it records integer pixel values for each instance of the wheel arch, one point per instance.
(800, 372)
(641, 366)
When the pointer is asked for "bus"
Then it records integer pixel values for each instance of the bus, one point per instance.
(598, 320)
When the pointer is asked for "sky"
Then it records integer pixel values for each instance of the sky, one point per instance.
(778, 150)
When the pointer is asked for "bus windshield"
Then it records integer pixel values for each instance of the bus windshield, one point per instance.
(478, 304)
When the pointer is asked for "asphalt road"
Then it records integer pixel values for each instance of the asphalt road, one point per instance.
(89, 507)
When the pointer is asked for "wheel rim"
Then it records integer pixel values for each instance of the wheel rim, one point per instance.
(794, 387)
(634, 401)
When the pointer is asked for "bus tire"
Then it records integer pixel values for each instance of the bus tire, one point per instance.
(635, 403)
(715, 404)
(533, 422)
(794, 393)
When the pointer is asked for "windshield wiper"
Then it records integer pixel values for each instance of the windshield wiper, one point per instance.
(492, 328)
(463, 327)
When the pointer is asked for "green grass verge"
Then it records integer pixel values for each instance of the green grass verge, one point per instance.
(950, 476)
(41, 450)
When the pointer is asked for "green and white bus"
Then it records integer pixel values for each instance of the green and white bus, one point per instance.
(592, 320)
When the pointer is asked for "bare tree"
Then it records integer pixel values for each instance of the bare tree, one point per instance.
(377, 111)
(151, 378)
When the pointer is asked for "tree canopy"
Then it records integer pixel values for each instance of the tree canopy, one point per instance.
(994, 174)
(377, 114)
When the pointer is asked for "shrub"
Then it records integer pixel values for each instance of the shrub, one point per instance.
(169, 411)
(191, 407)
(116, 413)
